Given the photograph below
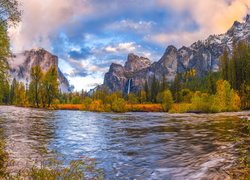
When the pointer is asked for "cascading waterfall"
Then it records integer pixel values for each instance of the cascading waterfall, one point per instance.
(129, 85)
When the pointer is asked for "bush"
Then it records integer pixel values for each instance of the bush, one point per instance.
(86, 103)
(119, 105)
(201, 102)
(180, 108)
(132, 99)
(166, 99)
(96, 106)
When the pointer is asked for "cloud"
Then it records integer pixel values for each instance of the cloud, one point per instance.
(212, 17)
(42, 19)
(121, 47)
(131, 25)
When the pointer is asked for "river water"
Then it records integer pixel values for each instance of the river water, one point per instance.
(127, 146)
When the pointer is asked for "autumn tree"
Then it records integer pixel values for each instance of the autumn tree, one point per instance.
(166, 99)
(35, 87)
(50, 86)
(9, 15)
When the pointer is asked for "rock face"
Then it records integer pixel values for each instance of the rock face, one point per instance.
(203, 56)
(21, 64)
(118, 77)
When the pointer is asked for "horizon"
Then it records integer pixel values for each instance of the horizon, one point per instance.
(87, 38)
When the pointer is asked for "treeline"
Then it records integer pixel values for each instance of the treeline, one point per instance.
(236, 70)
(40, 92)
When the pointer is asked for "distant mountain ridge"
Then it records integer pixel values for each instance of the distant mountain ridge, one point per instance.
(21, 64)
(203, 56)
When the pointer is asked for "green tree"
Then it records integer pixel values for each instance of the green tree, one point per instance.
(119, 105)
(132, 98)
(224, 65)
(166, 99)
(20, 95)
(226, 99)
(50, 85)
(9, 15)
(35, 87)
(154, 90)
(142, 96)
(146, 89)
(4, 53)
(176, 87)
(12, 91)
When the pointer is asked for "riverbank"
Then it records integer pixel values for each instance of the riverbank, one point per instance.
(128, 108)
(176, 108)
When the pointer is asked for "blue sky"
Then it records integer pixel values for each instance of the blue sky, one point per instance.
(88, 35)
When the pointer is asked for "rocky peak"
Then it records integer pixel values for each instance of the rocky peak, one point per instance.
(169, 56)
(170, 49)
(136, 63)
(116, 67)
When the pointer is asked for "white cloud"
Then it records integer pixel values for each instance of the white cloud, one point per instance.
(211, 16)
(128, 24)
(121, 47)
(41, 19)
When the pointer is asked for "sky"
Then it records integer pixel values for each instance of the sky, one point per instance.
(89, 35)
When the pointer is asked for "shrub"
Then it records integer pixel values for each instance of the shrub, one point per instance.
(96, 106)
(119, 105)
(166, 99)
(201, 102)
(86, 103)
(132, 99)
(180, 108)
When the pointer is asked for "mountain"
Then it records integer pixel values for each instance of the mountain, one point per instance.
(203, 56)
(21, 64)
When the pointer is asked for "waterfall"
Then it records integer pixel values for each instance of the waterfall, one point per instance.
(129, 85)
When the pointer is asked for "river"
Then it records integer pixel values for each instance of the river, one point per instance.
(129, 145)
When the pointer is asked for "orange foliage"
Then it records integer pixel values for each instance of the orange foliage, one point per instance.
(144, 107)
(98, 107)
(180, 108)
(69, 106)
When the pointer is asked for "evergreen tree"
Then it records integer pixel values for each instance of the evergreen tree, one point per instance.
(12, 91)
(154, 90)
(224, 64)
(146, 89)
(176, 87)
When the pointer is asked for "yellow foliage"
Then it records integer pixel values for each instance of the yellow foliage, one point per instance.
(180, 108)
(97, 106)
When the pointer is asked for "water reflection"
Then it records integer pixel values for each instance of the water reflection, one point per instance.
(27, 133)
(127, 146)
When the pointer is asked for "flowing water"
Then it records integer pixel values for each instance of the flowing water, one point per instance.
(127, 146)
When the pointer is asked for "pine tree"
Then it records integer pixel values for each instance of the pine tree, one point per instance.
(12, 91)
(224, 63)
(146, 89)
(154, 90)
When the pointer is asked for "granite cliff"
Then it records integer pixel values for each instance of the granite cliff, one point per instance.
(21, 64)
(203, 56)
